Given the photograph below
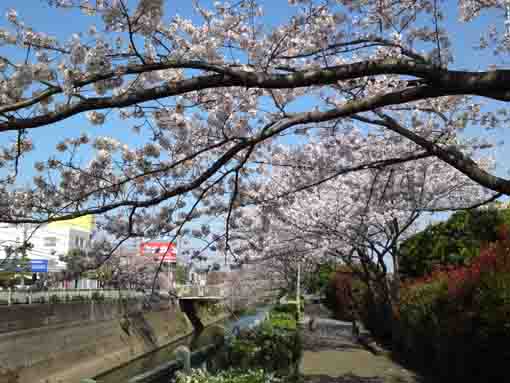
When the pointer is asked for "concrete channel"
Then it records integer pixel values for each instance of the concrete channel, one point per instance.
(160, 365)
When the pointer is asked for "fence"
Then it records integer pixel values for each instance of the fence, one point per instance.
(10, 297)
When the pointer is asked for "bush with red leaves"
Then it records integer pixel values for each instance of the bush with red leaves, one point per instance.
(457, 319)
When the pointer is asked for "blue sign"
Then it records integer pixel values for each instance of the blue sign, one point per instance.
(39, 265)
(24, 266)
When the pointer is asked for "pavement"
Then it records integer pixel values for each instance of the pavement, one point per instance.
(333, 355)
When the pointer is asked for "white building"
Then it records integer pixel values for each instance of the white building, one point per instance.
(51, 241)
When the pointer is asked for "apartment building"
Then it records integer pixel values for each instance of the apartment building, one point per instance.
(50, 241)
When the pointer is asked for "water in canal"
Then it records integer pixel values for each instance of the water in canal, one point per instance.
(160, 356)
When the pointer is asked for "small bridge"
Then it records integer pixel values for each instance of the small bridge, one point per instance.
(197, 292)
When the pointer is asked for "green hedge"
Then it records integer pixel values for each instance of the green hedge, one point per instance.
(455, 322)
(458, 321)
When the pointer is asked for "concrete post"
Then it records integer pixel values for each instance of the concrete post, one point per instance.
(30, 297)
(9, 298)
(183, 354)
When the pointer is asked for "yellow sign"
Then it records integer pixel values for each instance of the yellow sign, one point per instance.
(87, 223)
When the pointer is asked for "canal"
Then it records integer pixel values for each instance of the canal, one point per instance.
(161, 356)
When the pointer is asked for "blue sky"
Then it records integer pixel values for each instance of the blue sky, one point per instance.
(63, 23)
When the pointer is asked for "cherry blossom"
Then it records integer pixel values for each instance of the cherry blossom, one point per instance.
(223, 103)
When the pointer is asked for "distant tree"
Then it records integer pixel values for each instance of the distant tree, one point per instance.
(180, 274)
(453, 242)
(339, 293)
(318, 280)
(76, 263)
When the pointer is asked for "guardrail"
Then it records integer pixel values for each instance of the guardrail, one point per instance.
(10, 297)
(197, 291)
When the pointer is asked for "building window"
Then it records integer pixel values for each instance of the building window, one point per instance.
(50, 241)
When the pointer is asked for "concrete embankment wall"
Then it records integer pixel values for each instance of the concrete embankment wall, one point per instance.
(50, 343)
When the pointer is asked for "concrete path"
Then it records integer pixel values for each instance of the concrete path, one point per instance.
(332, 355)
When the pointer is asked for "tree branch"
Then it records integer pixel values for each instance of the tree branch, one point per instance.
(451, 155)
(491, 84)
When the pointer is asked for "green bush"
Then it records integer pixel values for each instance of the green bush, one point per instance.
(316, 282)
(290, 307)
(272, 348)
(371, 307)
(420, 320)
(493, 323)
(282, 320)
(228, 376)
(453, 242)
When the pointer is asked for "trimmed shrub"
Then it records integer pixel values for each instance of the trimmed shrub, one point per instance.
(274, 346)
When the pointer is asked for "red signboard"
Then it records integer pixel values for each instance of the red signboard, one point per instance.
(159, 250)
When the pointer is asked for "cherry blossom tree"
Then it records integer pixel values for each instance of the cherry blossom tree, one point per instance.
(212, 99)
(357, 215)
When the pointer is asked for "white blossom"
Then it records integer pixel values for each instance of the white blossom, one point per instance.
(96, 118)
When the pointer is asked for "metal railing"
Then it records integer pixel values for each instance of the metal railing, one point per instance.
(10, 297)
(197, 291)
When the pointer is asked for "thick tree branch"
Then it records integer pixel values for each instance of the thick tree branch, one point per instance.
(492, 84)
(350, 109)
(450, 155)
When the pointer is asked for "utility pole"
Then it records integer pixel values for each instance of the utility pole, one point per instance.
(23, 254)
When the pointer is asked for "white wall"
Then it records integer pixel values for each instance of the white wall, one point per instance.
(48, 243)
